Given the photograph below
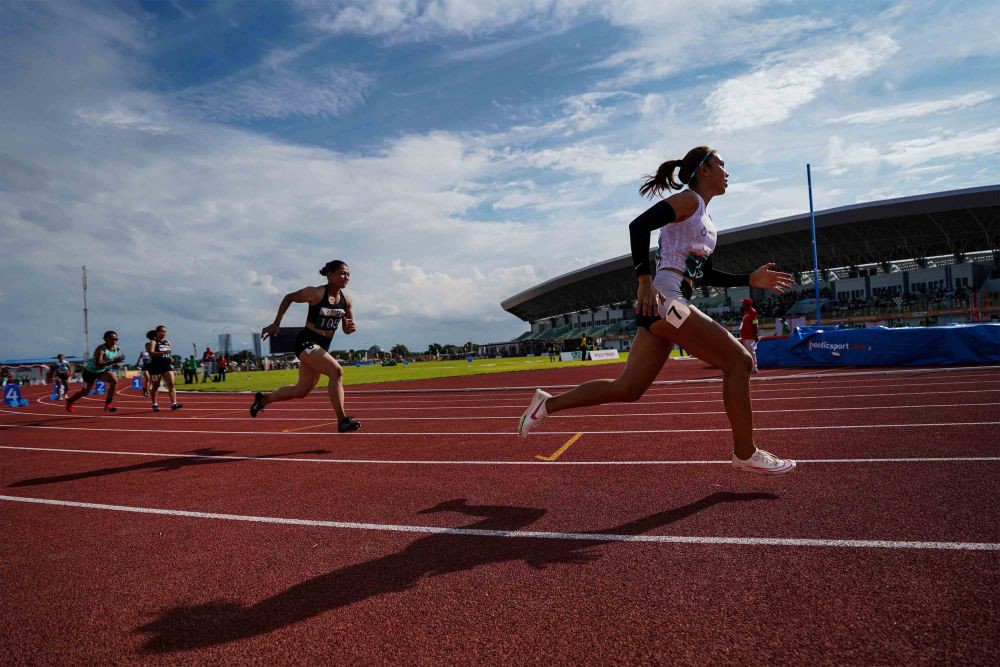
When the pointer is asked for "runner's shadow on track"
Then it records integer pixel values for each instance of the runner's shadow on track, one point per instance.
(190, 627)
(171, 464)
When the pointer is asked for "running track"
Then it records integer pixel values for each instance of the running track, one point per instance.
(434, 535)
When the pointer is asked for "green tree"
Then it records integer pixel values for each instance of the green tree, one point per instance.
(400, 350)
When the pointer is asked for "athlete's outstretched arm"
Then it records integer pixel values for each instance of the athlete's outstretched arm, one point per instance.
(305, 295)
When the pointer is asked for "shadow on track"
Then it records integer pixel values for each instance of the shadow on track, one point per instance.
(193, 458)
(218, 622)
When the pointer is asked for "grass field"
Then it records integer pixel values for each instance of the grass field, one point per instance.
(270, 380)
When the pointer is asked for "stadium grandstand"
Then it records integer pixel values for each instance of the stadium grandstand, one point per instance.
(921, 260)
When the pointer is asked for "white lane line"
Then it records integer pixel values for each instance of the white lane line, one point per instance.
(522, 404)
(822, 374)
(513, 415)
(529, 534)
(356, 434)
(757, 378)
(299, 459)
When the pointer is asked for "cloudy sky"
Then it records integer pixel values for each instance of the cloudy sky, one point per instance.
(204, 158)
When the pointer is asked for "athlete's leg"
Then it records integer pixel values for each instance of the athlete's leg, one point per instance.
(709, 341)
(645, 359)
(308, 377)
(154, 387)
(168, 379)
(80, 394)
(111, 381)
(320, 361)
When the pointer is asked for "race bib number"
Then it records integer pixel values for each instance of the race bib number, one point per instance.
(675, 313)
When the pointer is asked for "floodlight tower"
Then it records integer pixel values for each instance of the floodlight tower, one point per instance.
(86, 330)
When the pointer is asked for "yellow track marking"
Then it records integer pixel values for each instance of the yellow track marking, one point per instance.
(215, 414)
(289, 430)
(559, 452)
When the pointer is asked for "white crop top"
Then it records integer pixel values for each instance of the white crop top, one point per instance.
(694, 236)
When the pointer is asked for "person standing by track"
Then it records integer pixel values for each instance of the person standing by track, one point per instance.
(161, 366)
(749, 336)
(666, 315)
(98, 367)
(329, 305)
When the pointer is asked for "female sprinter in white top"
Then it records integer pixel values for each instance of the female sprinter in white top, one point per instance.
(665, 314)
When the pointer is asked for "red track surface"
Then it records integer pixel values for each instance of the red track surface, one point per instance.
(884, 545)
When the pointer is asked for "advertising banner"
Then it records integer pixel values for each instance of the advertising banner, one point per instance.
(603, 354)
(880, 346)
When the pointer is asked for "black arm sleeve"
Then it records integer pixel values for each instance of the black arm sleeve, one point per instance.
(713, 278)
(656, 216)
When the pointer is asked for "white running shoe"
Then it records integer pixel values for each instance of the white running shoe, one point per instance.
(765, 463)
(534, 414)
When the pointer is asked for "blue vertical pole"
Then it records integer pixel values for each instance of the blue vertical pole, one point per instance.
(812, 226)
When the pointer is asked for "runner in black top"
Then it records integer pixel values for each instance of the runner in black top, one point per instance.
(161, 366)
(329, 305)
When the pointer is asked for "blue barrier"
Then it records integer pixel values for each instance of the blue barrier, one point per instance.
(948, 345)
(12, 395)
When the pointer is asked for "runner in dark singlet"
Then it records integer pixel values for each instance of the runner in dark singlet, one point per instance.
(161, 366)
(329, 305)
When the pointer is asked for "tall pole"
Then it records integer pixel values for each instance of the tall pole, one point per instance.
(86, 330)
(812, 226)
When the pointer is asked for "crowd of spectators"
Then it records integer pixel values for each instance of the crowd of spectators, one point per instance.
(883, 300)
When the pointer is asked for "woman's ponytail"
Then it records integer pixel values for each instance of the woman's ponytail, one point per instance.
(687, 168)
(662, 181)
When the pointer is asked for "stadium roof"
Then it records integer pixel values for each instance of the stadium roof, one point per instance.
(943, 223)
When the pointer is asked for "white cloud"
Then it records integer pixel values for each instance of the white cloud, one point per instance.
(592, 159)
(278, 92)
(770, 93)
(913, 154)
(841, 158)
(421, 19)
(915, 109)
(946, 146)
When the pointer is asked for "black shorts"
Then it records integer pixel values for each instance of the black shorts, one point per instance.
(63, 376)
(90, 377)
(308, 339)
(159, 366)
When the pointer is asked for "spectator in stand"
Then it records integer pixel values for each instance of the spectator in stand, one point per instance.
(221, 366)
(748, 331)
(207, 362)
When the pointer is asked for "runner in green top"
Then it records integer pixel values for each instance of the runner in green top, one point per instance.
(98, 367)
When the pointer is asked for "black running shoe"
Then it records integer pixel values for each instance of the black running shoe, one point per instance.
(347, 425)
(176, 406)
(258, 404)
